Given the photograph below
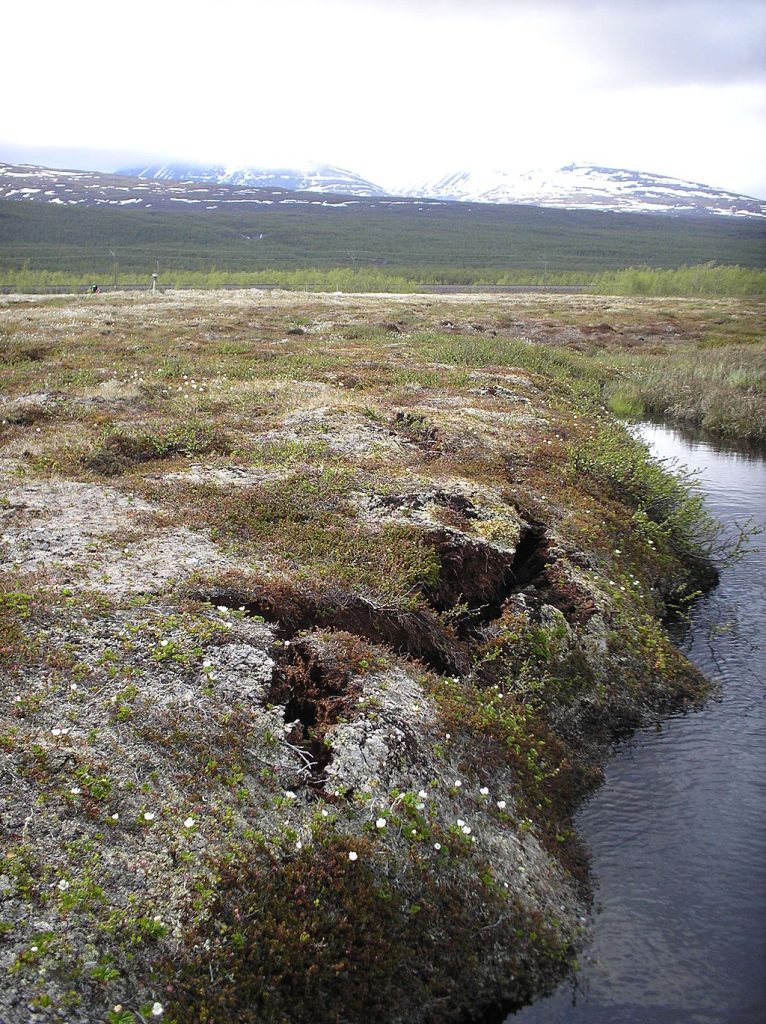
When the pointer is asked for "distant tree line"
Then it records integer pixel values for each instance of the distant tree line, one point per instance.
(707, 279)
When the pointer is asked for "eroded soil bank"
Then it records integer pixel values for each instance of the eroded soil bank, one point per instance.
(318, 615)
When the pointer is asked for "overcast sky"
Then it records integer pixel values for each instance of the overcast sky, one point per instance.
(397, 90)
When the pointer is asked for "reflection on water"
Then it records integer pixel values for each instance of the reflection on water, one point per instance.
(678, 831)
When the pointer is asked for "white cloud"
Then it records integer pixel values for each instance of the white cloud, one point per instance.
(394, 90)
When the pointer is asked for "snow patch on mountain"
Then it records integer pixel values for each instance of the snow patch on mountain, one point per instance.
(322, 178)
(587, 186)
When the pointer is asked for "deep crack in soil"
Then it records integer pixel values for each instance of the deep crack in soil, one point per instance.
(315, 695)
(476, 581)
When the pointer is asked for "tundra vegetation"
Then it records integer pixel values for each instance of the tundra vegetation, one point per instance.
(319, 615)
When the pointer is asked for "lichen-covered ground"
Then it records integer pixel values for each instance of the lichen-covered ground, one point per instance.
(317, 617)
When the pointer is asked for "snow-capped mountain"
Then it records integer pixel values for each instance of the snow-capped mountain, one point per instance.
(586, 186)
(27, 182)
(321, 178)
(574, 187)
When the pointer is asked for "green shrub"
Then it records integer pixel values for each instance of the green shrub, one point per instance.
(613, 462)
(118, 450)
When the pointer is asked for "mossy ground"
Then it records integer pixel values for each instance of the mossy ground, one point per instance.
(318, 616)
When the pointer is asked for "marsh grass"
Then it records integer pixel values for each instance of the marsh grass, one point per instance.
(625, 403)
(722, 390)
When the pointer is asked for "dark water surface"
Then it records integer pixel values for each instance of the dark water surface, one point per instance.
(678, 831)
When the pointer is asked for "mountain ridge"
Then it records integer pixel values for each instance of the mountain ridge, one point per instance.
(572, 186)
(313, 177)
(591, 186)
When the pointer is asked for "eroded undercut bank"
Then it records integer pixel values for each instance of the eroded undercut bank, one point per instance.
(447, 634)
(476, 579)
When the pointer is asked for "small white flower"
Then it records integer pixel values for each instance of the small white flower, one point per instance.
(466, 830)
(414, 831)
(148, 815)
(501, 804)
(76, 790)
(460, 822)
(457, 783)
(484, 791)
(422, 794)
(447, 736)
(299, 845)
(63, 885)
(34, 949)
(206, 663)
(224, 609)
(189, 823)
(325, 813)
(289, 795)
(419, 807)
(115, 816)
(56, 732)
(73, 686)
(352, 855)
(437, 846)
(164, 643)
(380, 823)
(157, 1009)
(157, 918)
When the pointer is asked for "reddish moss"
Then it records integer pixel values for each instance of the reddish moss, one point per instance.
(319, 937)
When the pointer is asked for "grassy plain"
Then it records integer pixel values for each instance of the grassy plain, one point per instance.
(319, 613)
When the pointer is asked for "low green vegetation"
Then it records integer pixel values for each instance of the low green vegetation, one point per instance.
(707, 279)
(699, 279)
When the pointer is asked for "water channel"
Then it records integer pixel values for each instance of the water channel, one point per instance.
(678, 830)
